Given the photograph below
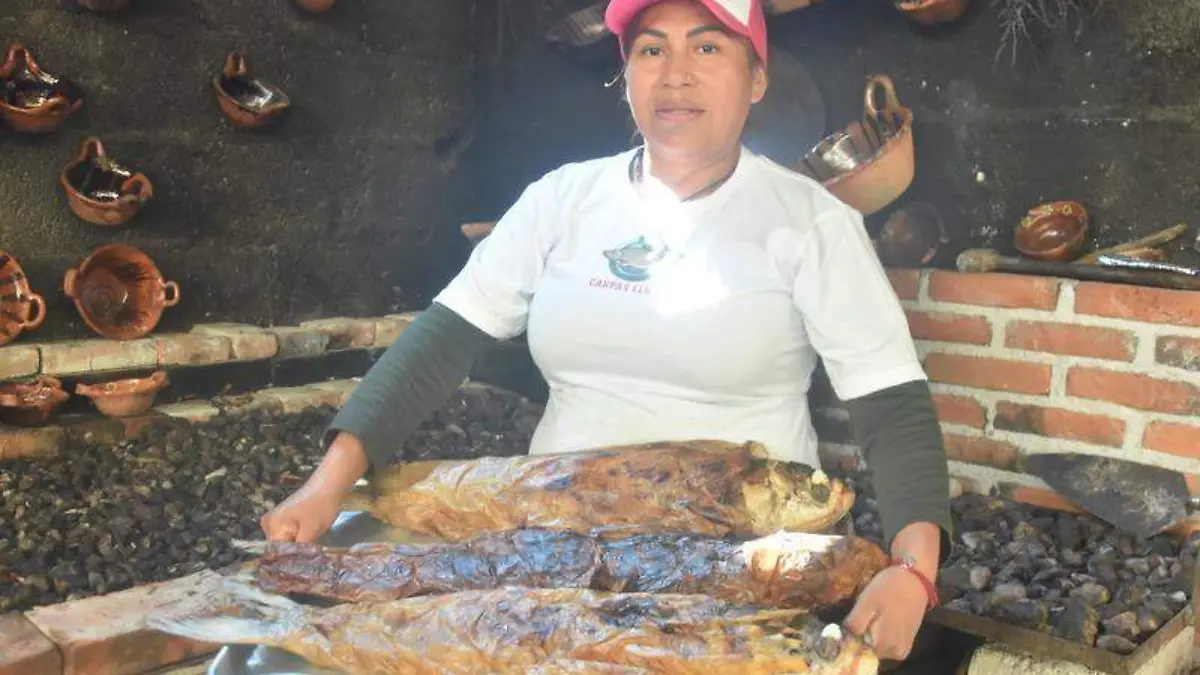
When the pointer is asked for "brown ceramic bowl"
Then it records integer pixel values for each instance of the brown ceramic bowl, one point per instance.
(99, 189)
(28, 404)
(1054, 231)
(119, 292)
(932, 12)
(20, 308)
(245, 101)
(124, 398)
(31, 100)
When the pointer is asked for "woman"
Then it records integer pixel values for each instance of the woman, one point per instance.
(682, 289)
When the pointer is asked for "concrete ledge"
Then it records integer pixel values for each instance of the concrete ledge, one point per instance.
(206, 344)
(21, 443)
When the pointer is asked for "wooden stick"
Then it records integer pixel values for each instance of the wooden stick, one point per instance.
(988, 260)
(1157, 239)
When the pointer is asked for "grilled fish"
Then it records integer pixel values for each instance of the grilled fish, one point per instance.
(811, 571)
(707, 488)
(518, 630)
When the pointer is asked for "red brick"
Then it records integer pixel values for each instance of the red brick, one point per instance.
(1134, 390)
(106, 634)
(1139, 303)
(1193, 483)
(980, 450)
(24, 650)
(1059, 423)
(906, 283)
(994, 290)
(1019, 377)
(1178, 352)
(1173, 437)
(947, 327)
(1061, 338)
(1047, 499)
(959, 410)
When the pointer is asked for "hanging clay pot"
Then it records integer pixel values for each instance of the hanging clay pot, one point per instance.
(124, 398)
(881, 178)
(100, 190)
(33, 101)
(316, 6)
(20, 308)
(119, 292)
(104, 5)
(29, 404)
(1054, 231)
(246, 101)
(932, 12)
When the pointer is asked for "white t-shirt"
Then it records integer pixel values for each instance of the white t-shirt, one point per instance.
(655, 319)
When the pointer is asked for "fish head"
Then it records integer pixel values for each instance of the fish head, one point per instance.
(794, 497)
(833, 650)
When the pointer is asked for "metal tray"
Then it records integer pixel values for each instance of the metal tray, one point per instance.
(350, 528)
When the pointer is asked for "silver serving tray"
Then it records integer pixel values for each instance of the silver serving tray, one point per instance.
(350, 528)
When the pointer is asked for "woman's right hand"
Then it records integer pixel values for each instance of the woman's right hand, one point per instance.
(311, 510)
(303, 517)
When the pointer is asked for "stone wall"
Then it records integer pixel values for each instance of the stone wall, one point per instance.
(347, 208)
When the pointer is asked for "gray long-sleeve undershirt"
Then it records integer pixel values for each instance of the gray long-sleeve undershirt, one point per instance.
(896, 427)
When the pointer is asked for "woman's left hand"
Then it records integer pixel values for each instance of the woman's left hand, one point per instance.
(890, 611)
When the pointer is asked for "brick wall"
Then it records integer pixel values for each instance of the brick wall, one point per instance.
(1022, 364)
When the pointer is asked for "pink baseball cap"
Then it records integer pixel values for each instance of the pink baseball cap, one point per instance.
(743, 17)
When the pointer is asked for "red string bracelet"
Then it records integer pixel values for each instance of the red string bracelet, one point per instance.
(930, 589)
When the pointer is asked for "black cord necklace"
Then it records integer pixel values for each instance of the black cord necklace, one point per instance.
(636, 175)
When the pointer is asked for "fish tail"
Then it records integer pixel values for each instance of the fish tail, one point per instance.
(247, 597)
(217, 630)
(264, 629)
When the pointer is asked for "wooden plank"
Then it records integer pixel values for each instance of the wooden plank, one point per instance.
(1048, 646)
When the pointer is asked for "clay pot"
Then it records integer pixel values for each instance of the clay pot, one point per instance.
(245, 101)
(476, 232)
(20, 308)
(1054, 231)
(119, 292)
(28, 404)
(911, 236)
(100, 190)
(124, 398)
(881, 178)
(103, 5)
(932, 12)
(316, 6)
(33, 101)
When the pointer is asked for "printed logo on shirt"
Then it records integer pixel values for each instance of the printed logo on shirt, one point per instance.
(633, 261)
